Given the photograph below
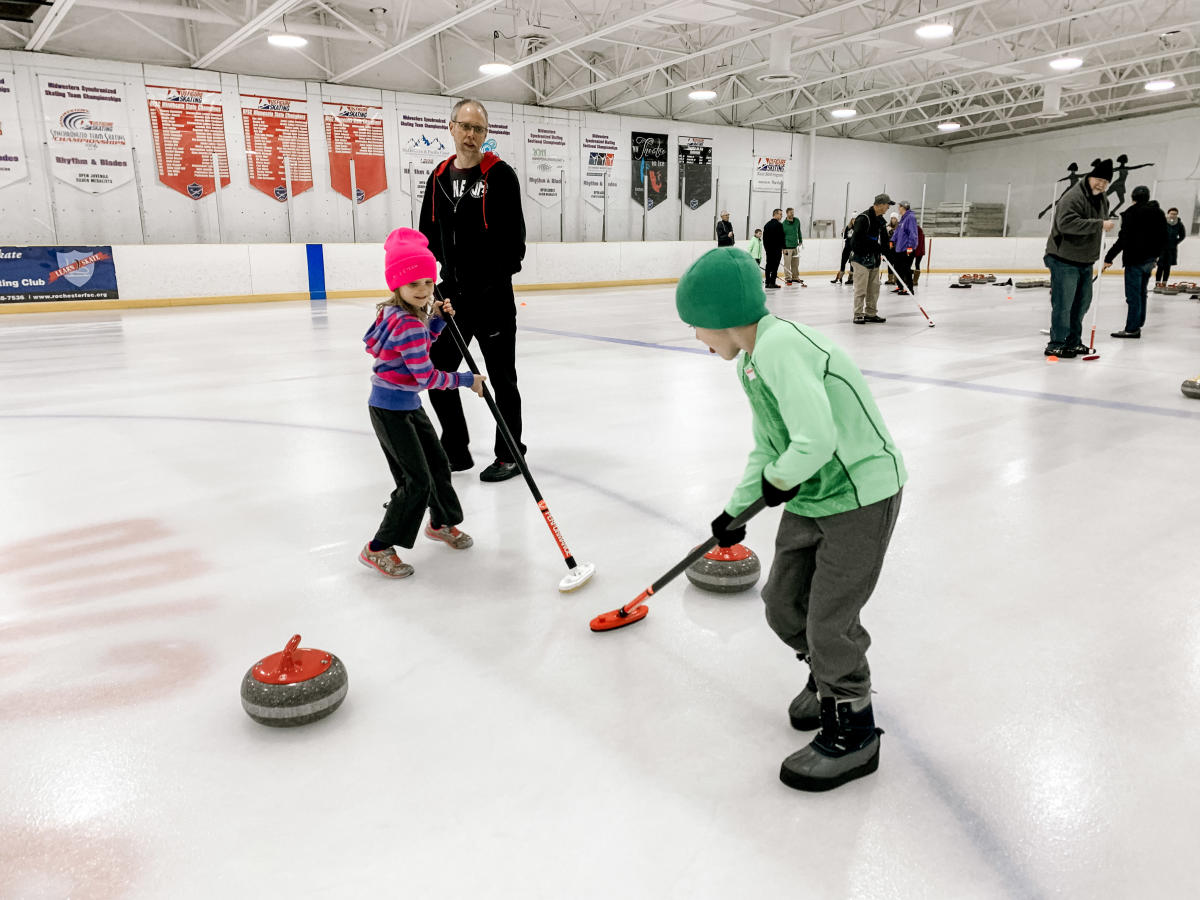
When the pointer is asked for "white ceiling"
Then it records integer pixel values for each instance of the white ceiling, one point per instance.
(642, 58)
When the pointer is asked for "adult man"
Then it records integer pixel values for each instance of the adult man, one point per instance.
(1142, 237)
(867, 246)
(1080, 219)
(773, 243)
(476, 229)
(793, 240)
(1170, 255)
(904, 243)
(725, 230)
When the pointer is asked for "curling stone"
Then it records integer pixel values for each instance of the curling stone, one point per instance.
(1191, 388)
(296, 686)
(725, 570)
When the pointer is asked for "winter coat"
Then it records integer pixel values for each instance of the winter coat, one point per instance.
(920, 251)
(905, 235)
(870, 238)
(755, 249)
(479, 239)
(1175, 235)
(1142, 237)
(792, 238)
(1078, 225)
(773, 239)
(725, 234)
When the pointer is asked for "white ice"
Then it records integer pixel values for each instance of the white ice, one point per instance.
(183, 489)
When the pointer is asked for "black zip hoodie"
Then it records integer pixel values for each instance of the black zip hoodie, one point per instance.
(1143, 235)
(480, 239)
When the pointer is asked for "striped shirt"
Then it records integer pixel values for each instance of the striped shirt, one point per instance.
(400, 343)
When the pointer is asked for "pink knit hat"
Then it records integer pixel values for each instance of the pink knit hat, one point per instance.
(406, 258)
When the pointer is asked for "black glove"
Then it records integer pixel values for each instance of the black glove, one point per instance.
(721, 531)
(775, 496)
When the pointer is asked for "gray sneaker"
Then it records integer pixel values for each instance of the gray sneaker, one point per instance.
(385, 562)
(846, 748)
(449, 534)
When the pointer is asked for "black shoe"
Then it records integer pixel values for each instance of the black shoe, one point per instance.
(1053, 349)
(860, 320)
(500, 471)
(1127, 334)
(1080, 350)
(772, 287)
(462, 465)
(849, 280)
(873, 320)
(837, 280)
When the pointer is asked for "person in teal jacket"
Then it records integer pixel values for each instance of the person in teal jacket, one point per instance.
(821, 450)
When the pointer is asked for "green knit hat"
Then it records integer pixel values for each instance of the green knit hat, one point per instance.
(722, 289)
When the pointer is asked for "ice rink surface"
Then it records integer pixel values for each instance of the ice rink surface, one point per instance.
(183, 489)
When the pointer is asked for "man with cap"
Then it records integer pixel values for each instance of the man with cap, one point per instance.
(868, 243)
(1080, 221)
(724, 230)
(904, 242)
(823, 452)
(1142, 237)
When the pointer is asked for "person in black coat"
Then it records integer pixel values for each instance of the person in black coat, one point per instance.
(773, 240)
(1170, 255)
(725, 230)
(1140, 242)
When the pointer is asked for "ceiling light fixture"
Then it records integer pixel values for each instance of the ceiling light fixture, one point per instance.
(702, 94)
(1160, 84)
(931, 31)
(495, 67)
(844, 112)
(1066, 63)
(286, 39)
(949, 126)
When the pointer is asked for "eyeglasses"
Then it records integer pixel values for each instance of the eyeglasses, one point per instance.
(480, 130)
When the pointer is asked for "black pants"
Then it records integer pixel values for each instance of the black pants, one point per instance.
(773, 258)
(491, 320)
(903, 263)
(421, 472)
(845, 256)
(1164, 272)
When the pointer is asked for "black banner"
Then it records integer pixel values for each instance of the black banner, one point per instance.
(649, 174)
(695, 169)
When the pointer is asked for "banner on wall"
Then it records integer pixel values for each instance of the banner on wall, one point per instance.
(768, 173)
(276, 128)
(188, 128)
(38, 274)
(424, 142)
(501, 140)
(87, 132)
(648, 172)
(598, 152)
(545, 164)
(12, 151)
(354, 132)
(695, 170)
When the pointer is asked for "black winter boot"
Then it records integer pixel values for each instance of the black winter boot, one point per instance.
(805, 709)
(846, 748)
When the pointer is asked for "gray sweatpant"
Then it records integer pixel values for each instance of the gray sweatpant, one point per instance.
(823, 574)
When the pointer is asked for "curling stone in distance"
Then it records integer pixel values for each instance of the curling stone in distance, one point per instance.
(725, 570)
(296, 686)
(1191, 388)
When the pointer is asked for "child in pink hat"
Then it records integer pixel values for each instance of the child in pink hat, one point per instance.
(406, 324)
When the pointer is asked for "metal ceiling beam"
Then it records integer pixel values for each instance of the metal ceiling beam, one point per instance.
(162, 10)
(573, 43)
(418, 38)
(50, 21)
(263, 19)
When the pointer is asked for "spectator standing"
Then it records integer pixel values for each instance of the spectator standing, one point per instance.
(1140, 242)
(773, 243)
(793, 240)
(904, 243)
(1170, 255)
(755, 249)
(725, 230)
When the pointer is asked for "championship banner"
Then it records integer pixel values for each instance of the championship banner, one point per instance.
(501, 140)
(354, 132)
(424, 142)
(37, 274)
(768, 173)
(188, 127)
(546, 164)
(599, 154)
(275, 128)
(87, 132)
(695, 170)
(12, 151)
(648, 168)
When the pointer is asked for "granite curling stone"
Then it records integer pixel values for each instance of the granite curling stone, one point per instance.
(725, 570)
(1191, 388)
(296, 686)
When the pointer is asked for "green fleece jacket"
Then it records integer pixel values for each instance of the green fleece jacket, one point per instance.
(815, 425)
(792, 238)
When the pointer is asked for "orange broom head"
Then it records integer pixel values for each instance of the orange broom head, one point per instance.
(618, 618)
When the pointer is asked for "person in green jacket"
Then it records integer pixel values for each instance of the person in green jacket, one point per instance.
(793, 240)
(822, 451)
(755, 249)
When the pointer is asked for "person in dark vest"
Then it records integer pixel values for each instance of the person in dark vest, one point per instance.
(867, 245)
(725, 230)
(773, 242)
(472, 216)
(1140, 242)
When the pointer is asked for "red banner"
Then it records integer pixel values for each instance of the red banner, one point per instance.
(188, 126)
(355, 132)
(274, 131)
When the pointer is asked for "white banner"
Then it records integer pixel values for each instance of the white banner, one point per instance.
(12, 151)
(545, 164)
(599, 151)
(424, 142)
(87, 131)
(503, 139)
(768, 173)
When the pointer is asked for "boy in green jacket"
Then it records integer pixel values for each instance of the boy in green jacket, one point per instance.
(821, 448)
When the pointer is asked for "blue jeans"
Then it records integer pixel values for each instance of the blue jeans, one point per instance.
(1070, 297)
(1137, 281)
